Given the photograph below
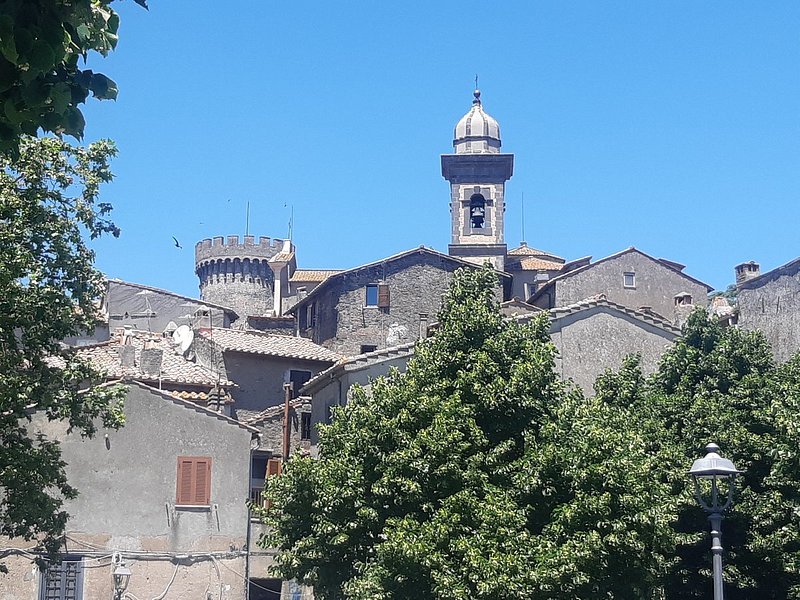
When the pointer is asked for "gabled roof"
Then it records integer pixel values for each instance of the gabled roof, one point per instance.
(534, 263)
(275, 412)
(515, 306)
(356, 363)
(600, 300)
(524, 250)
(268, 344)
(421, 250)
(187, 404)
(174, 295)
(790, 268)
(569, 272)
(312, 275)
(175, 368)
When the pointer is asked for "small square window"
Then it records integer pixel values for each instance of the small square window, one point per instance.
(372, 294)
(365, 348)
(629, 280)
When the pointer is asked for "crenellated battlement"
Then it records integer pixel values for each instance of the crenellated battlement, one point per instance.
(234, 246)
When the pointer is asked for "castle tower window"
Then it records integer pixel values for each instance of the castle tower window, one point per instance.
(477, 211)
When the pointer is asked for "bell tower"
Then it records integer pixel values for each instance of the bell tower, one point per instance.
(477, 173)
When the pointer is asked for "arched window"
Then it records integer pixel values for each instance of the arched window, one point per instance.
(477, 211)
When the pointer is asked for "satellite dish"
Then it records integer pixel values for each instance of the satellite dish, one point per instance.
(183, 336)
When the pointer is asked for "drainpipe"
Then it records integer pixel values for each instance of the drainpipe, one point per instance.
(287, 396)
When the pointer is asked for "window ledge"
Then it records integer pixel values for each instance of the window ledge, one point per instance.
(193, 507)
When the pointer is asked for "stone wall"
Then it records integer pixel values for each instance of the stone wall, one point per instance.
(774, 308)
(235, 272)
(416, 282)
(655, 284)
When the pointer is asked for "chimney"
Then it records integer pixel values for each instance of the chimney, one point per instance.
(127, 356)
(683, 308)
(150, 361)
(747, 271)
(423, 325)
(216, 399)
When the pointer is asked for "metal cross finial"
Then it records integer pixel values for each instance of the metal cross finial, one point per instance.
(476, 81)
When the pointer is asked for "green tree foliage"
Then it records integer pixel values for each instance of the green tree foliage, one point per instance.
(42, 81)
(49, 290)
(475, 474)
(721, 385)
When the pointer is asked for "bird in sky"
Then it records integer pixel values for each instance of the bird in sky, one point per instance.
(177, 243)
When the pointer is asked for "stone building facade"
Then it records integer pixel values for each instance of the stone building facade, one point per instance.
(630, 278)
(381, 304)
(770, 302)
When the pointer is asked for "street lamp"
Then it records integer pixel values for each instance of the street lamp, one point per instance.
(714, 468)
(122, 576)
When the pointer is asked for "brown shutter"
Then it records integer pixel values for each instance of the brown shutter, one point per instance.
(194, 481)
(273, 467)
(383, 295)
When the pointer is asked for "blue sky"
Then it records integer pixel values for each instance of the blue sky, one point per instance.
(670, 126)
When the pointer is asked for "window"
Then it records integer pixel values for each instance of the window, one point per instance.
(477, 211)
(305, 425)
(298, 379)
(368, 348)
(383, 295)
(64, 581)
(194, 481)
(372, 294)
(629, 280)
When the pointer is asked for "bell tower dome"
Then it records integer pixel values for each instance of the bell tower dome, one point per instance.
(477, 173)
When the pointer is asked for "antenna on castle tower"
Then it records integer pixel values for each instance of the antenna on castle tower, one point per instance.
(247, 220)
(523, 216)
(291, 223)
(476, 81)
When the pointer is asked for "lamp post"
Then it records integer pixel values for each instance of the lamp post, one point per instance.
(122, 576)
(714, 468)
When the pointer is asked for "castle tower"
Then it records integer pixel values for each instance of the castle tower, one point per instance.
(477, 173)
(237, 274)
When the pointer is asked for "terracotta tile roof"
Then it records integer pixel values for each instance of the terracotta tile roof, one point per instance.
(524, 250)
(175, 368)
(313, 274)
(539, 264)
(282, 257)
(270, 344)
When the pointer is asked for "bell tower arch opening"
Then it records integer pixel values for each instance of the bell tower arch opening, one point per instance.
(477, 172)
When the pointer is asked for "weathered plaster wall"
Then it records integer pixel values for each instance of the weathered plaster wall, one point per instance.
(656, 285)
(260, 380)
(774, 309)
(591, 341)
(127, 485)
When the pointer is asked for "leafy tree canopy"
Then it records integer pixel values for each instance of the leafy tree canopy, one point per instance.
(721, 385)
(42, 82)
(49, 290)
(475, 474)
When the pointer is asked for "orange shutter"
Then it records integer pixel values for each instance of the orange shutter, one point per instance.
(383, 295)
(194, 481)
(273, 467)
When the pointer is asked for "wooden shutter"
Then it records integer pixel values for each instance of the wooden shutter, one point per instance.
(383, 295)
(273, 467)
(194, 481)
